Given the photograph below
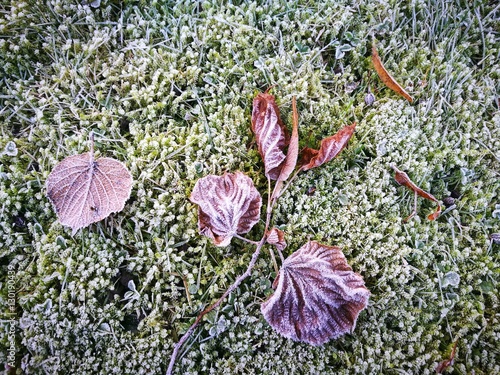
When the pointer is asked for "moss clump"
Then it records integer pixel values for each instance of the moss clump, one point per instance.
(167, 88)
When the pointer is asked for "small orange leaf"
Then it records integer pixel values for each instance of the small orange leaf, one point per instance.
(435, 214)
(403, 179)
(330, 147)
(384, 75)
(443, 365)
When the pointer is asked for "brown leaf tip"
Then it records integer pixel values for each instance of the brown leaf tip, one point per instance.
(386, 77)
(443, 365)
(403, 179)
(228, 205)
(400, 176)
(318, 297)
(330, 147)
(84, 191)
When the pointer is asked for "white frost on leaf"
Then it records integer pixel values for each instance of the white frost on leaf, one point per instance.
(270, 133)
(85, 190)
(228, 205)
(318, 297)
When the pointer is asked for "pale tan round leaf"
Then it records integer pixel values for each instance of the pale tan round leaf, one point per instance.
(84, 190)
(318, 297)
(228, 205)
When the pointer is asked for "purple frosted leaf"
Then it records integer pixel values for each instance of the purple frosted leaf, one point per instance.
(318, 297)
(271, 134)
(228, 205)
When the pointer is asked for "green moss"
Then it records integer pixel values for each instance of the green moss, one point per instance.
(167, 87)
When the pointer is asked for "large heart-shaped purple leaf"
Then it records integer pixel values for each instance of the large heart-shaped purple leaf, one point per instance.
(318, 297)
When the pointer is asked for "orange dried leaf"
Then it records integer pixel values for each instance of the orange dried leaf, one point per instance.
(384, 75)
(271, 134)
(443, 365)
(435, 214)
(85, 190)
(318, 297)
(403, 179)
(330, 147)
(228, 205)
(276, 237)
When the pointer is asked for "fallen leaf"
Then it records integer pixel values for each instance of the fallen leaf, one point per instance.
(85, 190)
(318, 297)
(384, 75)
(330, 147)
(403, 179)
(228, 205)
(271, 134)
(276, 237)
(311, 190)
(443, 365)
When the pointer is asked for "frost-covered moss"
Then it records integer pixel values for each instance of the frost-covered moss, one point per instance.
(167, 87)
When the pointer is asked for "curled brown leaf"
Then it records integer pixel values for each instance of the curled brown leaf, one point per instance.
(318, 297)
(276, 237)
(384, 75)
(85, 190)
(271, 134)
(403, 179)
(291, 157)
(443, 365)
(330, 147)
(228, 205)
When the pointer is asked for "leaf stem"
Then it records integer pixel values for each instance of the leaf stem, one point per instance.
(294, 176)
(246, 239)
(281, 257)
(414, 212)
(236, 283)
(273, 258)
(200, 316)
(91, 139)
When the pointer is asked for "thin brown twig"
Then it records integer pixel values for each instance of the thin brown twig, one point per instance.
(200, 316)
(245, 239)
(237, 282)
